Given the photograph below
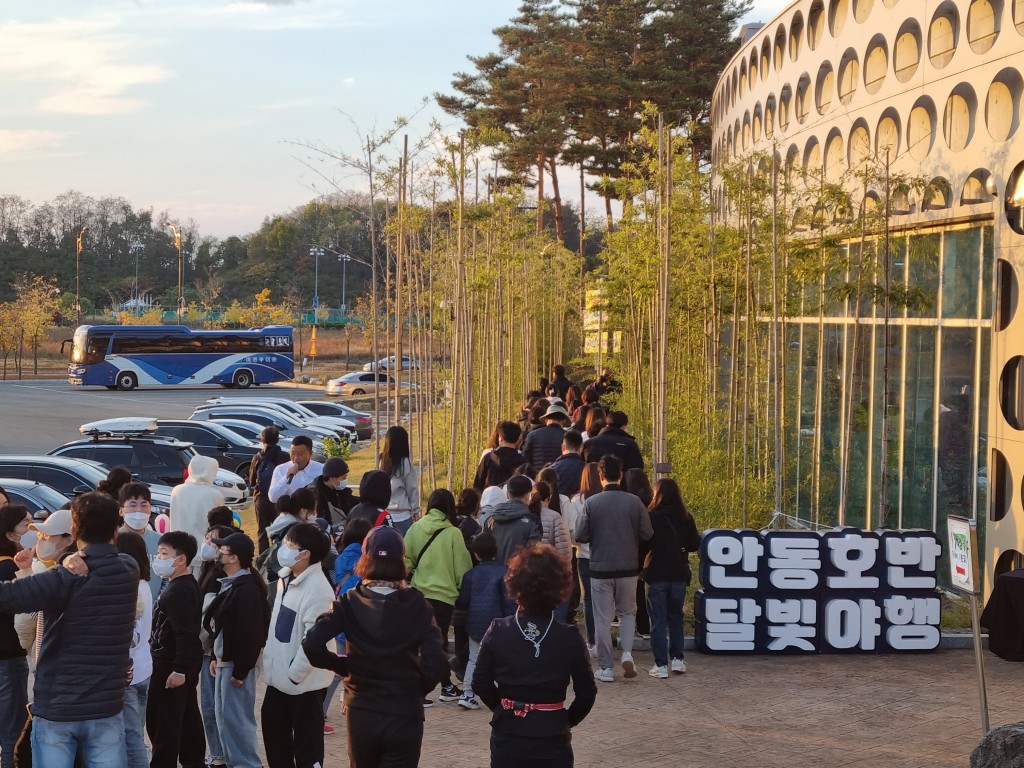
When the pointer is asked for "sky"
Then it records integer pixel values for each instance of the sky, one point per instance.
(199, 107)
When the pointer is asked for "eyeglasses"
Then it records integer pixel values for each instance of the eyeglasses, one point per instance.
(133, 505)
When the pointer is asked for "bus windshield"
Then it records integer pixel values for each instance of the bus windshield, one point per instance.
(127, 356)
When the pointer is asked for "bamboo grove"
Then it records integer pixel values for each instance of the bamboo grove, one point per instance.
(696, 284)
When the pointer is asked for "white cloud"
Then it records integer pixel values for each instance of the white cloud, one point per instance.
(80, 67)
(22, 142)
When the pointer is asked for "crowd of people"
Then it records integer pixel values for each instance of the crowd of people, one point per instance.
(112, 634)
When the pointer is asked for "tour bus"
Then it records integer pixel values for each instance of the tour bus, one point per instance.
(128, 356)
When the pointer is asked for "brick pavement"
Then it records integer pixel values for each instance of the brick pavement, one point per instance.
(758, 712)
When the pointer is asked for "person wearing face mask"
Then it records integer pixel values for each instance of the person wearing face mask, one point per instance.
(292, 509)
(193, 499)
(237, 620)
(173, 722)
(292, 711)
(135, 511)
(334, 498)
(210, 574)
(14, 535)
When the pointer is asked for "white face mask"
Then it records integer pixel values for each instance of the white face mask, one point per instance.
(28, 539)
(47, 549)
(342, 485)
(137, 520)
(164, 567)
(287, 556)
(208, 553)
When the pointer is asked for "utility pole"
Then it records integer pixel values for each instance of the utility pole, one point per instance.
(78, 276)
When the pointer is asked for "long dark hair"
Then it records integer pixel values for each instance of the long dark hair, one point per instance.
(540, 496)
(549, 476)
(590, 480)
(668, 496)
(468, 503)
(133, 545)
(11, 516)
(636, 482)
(394, 451)
(441, 499)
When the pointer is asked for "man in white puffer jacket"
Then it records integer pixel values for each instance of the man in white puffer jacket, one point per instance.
(292, 715)
(193, 499)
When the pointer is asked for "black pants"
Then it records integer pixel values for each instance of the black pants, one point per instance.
(265, 514)
(376, 740)
(643, 621)
(293, 728)
(173, 722)
(443, 616)
(574, 598)
(517, 752)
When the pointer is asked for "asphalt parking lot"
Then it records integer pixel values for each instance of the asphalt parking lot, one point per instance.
(38, 416)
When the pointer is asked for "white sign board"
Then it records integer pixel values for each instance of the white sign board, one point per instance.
(963, 554)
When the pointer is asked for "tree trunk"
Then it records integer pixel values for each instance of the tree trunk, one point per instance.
(556, 197)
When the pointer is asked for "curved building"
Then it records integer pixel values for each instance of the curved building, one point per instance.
(933, 90)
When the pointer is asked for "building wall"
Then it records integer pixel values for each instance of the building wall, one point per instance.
(934, 90)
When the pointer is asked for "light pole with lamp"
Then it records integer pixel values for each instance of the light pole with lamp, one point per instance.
(135, 248)
(316, 252)
(78, 276)
(345, 259)
(177, 244)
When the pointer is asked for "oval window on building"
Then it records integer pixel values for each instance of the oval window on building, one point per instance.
(838, 10)
(779, 50)
(907, 51)
(812, 159)
(849, 75)
(861, 10)
(1002, 104)
(921, 128)
(824, 88)
(1000, 486)
(1011, 392)
(1006, 294)
(766, 58)
(958, 117)
(983, 24)
(876, 64)
(1013, 199)
(769, 116)
(887, 136)
(859, 151)
(785, 100)
(835, 160)
(815, 24)
(1018, 15)
(803, 106)
(796, 33)
(942, 35)
(755, 124)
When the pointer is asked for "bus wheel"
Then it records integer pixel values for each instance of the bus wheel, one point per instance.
(126, 381)
(243, 379)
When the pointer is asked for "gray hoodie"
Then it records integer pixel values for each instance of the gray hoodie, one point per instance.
(513, 525)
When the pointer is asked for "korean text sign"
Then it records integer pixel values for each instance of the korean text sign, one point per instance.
(842, 591)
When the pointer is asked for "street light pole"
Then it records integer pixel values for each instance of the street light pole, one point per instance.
(177, 244)
(137, 246)
(345, 259)
(78, 276)
(316, 252)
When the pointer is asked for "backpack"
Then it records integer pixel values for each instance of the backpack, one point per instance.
(264, 474)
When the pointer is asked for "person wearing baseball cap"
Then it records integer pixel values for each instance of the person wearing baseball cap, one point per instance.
(54, 537)
(334, 498)
(238, 620)
(544, 444)
(394, 654)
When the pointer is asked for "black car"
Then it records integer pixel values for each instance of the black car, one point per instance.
(69, 476)
(232, 451)
(151, 459)
(40, 499)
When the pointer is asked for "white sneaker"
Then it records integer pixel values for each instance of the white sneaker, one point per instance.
(628, 667)
(470, 702)
(659, 672)
(605, 676)
(678, 666)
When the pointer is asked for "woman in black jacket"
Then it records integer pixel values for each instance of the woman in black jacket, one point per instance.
(526, 662)
(667, 575)
(394, 656)
(237, 620)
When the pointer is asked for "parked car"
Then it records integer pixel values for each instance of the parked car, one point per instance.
(295, 410)
(232, 451)
(150, 457)
(40, 499)
(71, 476)
(265, 416)
(388, 364)
(252, 431)
(363, 421)
(360, 383)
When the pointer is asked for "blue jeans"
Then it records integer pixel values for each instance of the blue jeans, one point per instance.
(13, 699)
(208, 708)
(403, 526)
(474, 654)
(135, 697)
(100, 743)
(665, 607)
(583, 566)
(236, 718)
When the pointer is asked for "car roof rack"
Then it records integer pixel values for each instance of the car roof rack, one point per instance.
(133, 425)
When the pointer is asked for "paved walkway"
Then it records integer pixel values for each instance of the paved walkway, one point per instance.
(758, 712)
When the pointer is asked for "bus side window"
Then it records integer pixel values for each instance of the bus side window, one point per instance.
(96, 352)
